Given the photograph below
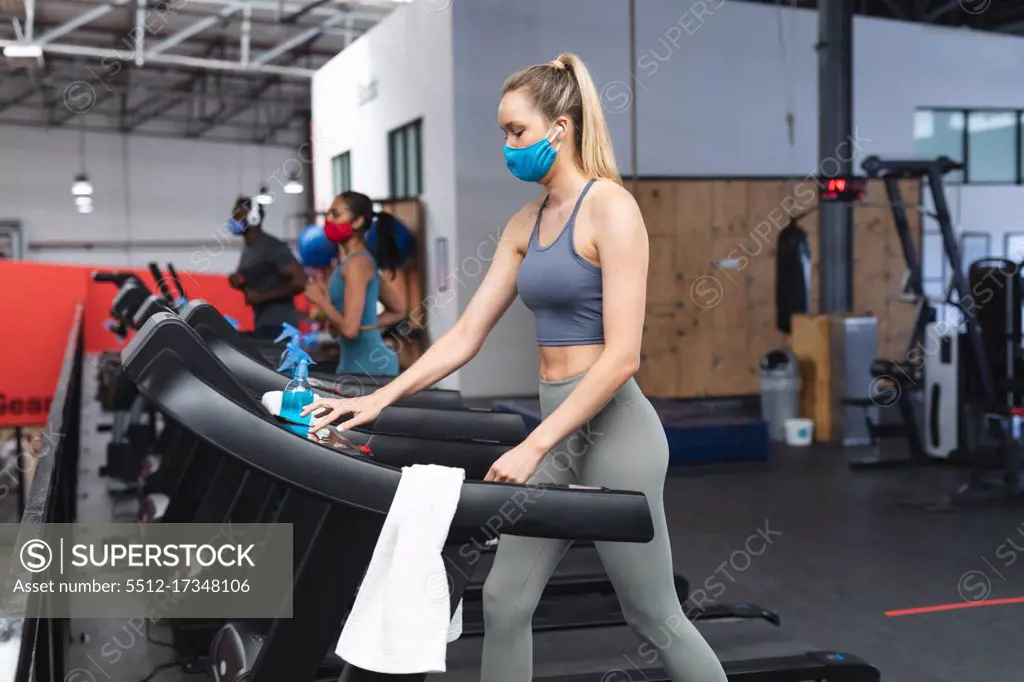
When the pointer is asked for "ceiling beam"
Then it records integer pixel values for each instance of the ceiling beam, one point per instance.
(285, 8)
(897, 10)
(80, 20)
(179, 60)
(94, 35)
(295, 41)
(37, 123)
(940, 10)
(298, 14)
(249, 101)
(30, 20)
(19, 98)
(1014, 27)
(159, 100)
(195, 29)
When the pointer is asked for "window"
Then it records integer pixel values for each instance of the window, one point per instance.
(974, 246)
(988, 141)
(404, 155)
(992, 146)
(341, 172)
(1013, 246)
(940, 133)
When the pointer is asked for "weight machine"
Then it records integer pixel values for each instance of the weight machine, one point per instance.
(906, 377)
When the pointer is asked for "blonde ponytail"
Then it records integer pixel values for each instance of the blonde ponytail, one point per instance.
(563, 87)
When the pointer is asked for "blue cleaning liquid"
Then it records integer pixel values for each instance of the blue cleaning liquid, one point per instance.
(296, 396)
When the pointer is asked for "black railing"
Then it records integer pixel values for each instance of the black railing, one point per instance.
(50, 476)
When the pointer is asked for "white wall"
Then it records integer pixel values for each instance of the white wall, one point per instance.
(145, 190)
(409, 55)
(493, 39)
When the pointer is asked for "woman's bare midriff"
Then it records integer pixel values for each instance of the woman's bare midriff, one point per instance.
(561, 362)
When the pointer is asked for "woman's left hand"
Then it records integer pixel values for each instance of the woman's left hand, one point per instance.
(516, 465)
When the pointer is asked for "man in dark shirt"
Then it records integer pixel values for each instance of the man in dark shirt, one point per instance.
(268, 272)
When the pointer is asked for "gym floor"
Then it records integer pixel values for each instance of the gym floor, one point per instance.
(842, 554)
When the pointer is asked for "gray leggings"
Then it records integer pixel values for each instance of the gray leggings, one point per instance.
(622, 447)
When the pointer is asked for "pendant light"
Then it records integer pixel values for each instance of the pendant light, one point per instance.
(81, 189)
(263, 198)
(293, 186)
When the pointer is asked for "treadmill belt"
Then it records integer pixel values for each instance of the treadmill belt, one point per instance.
(750, 649)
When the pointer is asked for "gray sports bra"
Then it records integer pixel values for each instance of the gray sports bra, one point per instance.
(562, 289)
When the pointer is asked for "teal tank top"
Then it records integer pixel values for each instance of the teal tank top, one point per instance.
(366, 353)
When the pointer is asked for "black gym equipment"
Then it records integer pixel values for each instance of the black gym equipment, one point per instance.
(902, 378)
(579, 594)
(134, 304)
(247, 364)
(337, 500)
(356, 491)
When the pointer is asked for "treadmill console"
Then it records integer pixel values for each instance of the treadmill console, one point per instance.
(333, 438)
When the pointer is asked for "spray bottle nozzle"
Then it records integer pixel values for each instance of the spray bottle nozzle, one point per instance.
(288, 332)
(298, 358)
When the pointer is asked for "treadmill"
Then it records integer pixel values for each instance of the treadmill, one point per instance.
(245, 363)
(222, 414)
(355, 492)
(579, 594)
(135, 303)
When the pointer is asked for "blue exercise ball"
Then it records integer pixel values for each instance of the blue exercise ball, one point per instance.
(403, 239)
(315, 251)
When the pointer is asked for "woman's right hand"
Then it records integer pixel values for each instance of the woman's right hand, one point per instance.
(362, 410)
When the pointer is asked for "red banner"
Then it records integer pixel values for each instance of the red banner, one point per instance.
(37, 304)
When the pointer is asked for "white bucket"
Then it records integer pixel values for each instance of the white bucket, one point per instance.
(799, 432)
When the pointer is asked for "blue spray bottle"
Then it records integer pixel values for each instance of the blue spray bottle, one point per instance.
(298, 393)
(294, 343)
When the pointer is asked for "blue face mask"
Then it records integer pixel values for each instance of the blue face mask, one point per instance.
(531, 164)
(237, 226)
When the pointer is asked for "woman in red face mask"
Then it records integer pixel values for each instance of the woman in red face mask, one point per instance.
(350, 298)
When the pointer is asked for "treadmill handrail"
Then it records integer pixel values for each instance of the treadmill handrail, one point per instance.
(875, 167)
(197, 313)
(355, 480)
(128, 300)
(241, 428)
(151, 306)
(244, 361)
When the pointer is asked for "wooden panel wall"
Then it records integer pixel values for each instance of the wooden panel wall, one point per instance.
(708, 323)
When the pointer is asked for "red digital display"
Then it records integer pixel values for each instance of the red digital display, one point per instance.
(841, 189)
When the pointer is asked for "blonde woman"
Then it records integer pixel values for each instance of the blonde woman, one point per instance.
(578, 259)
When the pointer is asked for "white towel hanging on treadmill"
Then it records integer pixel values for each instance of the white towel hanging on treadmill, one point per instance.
(400, 623)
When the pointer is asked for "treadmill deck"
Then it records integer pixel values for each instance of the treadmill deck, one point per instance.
(615, 654)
